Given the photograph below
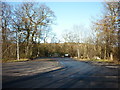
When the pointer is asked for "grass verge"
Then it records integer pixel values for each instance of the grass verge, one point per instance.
(99, 60)
(21, 60)
(5, 61)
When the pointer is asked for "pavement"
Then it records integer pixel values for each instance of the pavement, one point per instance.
(59, 73)
(16, 70)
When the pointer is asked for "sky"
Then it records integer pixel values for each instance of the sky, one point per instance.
(69, 14)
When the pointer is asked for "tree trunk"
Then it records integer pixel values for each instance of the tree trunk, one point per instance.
(27, 48)
(111, 56)
(105, 52)
(17, 34)
(78, 53)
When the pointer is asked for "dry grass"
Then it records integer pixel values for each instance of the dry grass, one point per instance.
(25, 59)
(81, 59)
(42, 59)
(99, 60)
(103, 60)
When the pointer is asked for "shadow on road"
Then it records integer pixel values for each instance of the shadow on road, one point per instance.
(73, 74)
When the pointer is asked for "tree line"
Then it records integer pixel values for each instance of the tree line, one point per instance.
(26, 28)
(26, 24)
(104, 41)
(108, 31)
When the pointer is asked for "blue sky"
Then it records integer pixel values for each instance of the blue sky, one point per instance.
(69, 14)
(78, 13)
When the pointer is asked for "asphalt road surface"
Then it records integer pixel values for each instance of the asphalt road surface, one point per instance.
(63, 73)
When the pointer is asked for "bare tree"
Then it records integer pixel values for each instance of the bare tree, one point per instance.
(6, 28)
(33, 19)
(106, 29)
